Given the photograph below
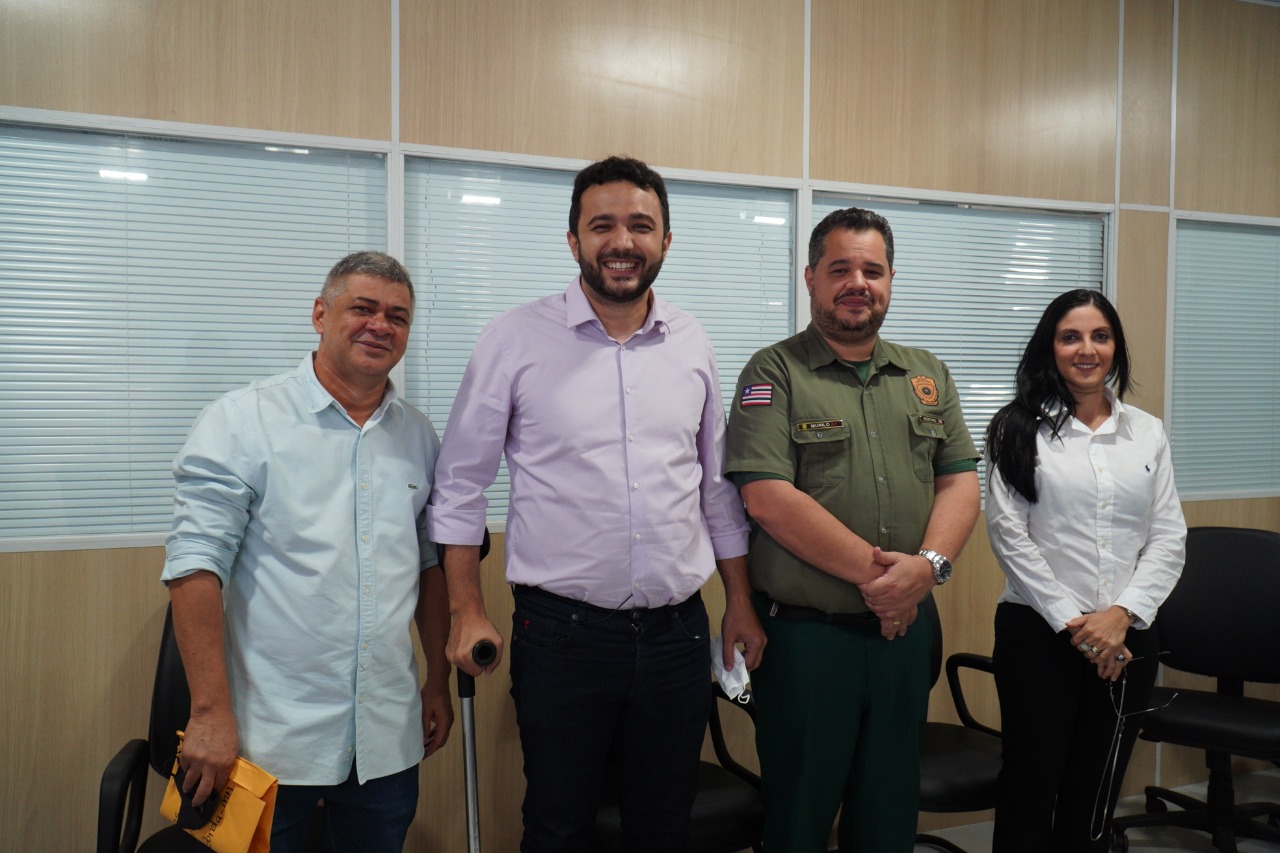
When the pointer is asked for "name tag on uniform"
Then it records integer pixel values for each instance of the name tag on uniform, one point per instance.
(805, 426)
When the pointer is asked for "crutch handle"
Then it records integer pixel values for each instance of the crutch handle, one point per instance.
(483, 653)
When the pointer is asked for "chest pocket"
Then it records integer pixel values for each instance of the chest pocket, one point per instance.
(926, 433)
(822, 452)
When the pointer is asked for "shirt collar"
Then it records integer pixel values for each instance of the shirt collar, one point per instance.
(1119, 415)
(821, 354)
(578, 310)
(319, 398)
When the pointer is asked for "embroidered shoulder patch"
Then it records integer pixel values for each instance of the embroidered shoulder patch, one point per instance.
(926, 389)
(760, 394)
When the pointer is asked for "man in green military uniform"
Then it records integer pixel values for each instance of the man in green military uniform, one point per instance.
(861, 480)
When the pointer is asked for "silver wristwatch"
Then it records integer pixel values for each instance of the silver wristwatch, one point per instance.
(941, 566)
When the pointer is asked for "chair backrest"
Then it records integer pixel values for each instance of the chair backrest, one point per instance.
(1223, 617)
(170, 701)
(929, 610)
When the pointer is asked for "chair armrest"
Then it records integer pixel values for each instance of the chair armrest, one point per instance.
(718, 745)
(120, 798)
(969, 661)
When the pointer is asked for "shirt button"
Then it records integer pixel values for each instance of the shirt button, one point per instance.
(360, 699)
(635, 486)
(364, 645)
(368, 590)
(880, 478)
(628, 390)
(631, 436)
(884, 530)
(874, 434)
(637, 537)
(364, 487)
(364, 538)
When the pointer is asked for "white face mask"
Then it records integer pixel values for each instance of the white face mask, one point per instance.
(734, 681)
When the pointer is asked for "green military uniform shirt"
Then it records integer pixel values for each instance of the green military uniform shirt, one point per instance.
(867, 451)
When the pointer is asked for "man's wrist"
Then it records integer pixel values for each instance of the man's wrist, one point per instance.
(941, 565)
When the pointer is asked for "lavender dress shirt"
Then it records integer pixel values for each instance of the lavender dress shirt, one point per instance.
(615, 452)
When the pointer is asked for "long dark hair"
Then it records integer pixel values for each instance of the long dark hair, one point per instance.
(1043, 395)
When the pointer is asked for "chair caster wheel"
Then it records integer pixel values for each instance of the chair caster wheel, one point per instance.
(1119, 843)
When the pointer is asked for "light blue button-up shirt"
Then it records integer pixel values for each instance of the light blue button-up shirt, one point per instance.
(316, 528)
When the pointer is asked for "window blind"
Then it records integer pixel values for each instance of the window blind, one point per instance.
(139, 279)
(972, 282)
(1224, 398)
(481, 239)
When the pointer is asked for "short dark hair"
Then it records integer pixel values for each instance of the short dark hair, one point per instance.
(854, 219)
(618, 169)
(1042, 394)
(366, 262)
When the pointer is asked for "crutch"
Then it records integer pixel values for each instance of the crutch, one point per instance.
(484, 653)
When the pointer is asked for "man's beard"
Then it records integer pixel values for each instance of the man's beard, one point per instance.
(593, 275)
(846, 331)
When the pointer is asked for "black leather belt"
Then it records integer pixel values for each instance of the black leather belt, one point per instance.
(797, 613)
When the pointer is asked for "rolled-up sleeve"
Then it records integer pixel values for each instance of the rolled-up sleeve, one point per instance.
(721, 503)
(214, 477)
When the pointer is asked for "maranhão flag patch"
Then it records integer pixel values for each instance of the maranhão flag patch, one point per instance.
(760, 394)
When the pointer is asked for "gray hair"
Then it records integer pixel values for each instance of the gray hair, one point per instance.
(368, 262)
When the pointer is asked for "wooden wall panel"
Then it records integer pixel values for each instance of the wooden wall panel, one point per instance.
(1228, 135)
(1143, 260)
(1008, 97)
(1147, 102)
(716, 84)
(304, 66)
(80, 634)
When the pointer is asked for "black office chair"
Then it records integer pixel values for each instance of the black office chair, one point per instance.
(958, 763)
(728, 815)
(1221, 620)
(123, 791)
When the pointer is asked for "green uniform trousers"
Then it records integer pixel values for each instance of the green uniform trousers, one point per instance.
(839, 714)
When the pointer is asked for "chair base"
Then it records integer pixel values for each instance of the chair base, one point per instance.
(1225, 825)
(938, 843)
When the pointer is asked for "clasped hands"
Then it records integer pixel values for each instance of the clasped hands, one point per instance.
(1100, 637)
(894, 596)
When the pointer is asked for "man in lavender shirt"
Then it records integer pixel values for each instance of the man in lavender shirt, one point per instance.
(607, 404)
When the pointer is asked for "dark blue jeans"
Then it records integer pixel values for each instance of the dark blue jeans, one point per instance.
(593, 685)
(373, 817)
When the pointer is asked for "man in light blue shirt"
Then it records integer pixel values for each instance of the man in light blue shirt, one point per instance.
(298, 561)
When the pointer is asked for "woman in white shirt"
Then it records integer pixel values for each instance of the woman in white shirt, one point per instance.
(1085, 522)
